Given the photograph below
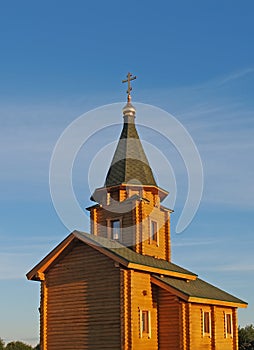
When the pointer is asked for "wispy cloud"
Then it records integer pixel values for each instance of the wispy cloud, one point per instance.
(236, 75)
(186, 242)
(241, 267)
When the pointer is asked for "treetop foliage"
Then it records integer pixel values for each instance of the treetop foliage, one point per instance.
(246, 337)
(16, 345)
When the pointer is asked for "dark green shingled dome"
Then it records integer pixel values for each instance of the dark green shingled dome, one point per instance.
(129, 164)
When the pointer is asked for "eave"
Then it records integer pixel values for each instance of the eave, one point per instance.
(193, 299)
(37, 272)
(160, 271)
(99, 192)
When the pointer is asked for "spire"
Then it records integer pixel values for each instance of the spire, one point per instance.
(129, 164)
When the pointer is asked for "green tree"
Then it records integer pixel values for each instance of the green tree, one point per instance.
(1, 344)
(246, 337)
(17, 345)
(37, 347)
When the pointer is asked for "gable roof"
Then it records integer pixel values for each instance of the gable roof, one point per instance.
(166, 275)
(197, 291)
(116, 252)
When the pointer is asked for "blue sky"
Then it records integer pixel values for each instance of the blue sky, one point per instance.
(59, 60)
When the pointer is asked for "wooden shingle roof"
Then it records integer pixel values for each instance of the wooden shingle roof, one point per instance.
(117, 252)
(129, 164)
(167, 275)
(197, 291)
(130, 257)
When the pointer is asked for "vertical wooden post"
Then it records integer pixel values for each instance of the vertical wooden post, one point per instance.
(189, 327)
(136, 225)
(93, 221)
(139, 227)
(183, 325)
(130, 298)
(124, 308)
(167, 237)
(235, 329)
(213, 333)
(43, 315)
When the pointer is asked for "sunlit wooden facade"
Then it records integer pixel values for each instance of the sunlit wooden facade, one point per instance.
(116, 288)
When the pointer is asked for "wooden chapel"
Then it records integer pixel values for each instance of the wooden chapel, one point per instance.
(116, 288)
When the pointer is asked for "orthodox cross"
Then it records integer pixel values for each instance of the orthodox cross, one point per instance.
(128, 80)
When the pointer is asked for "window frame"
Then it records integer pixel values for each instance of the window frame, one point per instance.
(110, 228)
(144, 332)
(227, 333)
(153, 237)
(205, 324)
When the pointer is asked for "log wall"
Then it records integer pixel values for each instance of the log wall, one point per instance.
(123, 212)
(141, 296)
(217, 339)
(161, 247)
(82, 307)
(135, 218)
(223, 341)
(169, 319)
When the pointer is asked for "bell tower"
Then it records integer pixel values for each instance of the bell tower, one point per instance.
(128, 207)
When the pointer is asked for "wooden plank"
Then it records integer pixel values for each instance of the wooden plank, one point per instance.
(169, 319)
(83, 304)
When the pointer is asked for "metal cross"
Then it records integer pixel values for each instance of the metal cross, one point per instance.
(128, 80)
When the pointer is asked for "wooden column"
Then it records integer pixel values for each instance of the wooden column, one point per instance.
(235, 329)
(124, 306)
(93, 221)
(183, 325)
(139, 227)
(189, 328)
(213, 324)
(43, 315)
(130, 300)
(167, 237)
